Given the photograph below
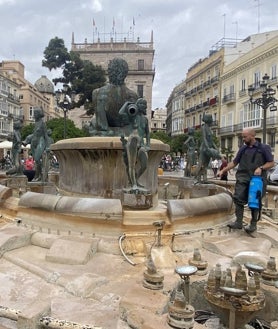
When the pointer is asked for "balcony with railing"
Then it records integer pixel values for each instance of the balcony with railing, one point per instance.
(242, 93)
(213, 101)
(228, 99)
(214, 125)
(257, 124)
(215, 79)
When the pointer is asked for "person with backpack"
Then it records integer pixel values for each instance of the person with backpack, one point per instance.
(253, 159)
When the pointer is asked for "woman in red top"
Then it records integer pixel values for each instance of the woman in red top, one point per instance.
(29, 163)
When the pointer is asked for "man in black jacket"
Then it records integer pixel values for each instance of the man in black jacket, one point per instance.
(253, 159)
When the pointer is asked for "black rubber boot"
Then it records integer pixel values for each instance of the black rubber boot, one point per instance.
(252, 227)
(237, 225)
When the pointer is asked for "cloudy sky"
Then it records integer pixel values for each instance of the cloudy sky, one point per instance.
(184, 30)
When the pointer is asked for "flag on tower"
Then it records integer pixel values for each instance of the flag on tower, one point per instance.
(133, 21)
(94, 24)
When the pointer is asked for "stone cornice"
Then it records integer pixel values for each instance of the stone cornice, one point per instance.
(250, 63)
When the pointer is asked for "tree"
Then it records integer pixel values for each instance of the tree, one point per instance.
(177, 143)
(57, 127)
(27, 130)
(82, 76)
(55, 54)
(162, 136)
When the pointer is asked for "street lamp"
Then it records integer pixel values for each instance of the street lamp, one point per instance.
(64, 99)
(266, 101)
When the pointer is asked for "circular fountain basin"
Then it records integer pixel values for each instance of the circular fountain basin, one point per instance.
(94, 167)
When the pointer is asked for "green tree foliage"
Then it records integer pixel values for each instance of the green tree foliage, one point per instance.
(27, 130)
(55, 54)
(82, 76)
(177, 144)
(162, 136)
(57, 127)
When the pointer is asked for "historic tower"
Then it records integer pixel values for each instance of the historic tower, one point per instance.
(138, 55)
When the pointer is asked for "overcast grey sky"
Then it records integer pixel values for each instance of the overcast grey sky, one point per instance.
(184, 30)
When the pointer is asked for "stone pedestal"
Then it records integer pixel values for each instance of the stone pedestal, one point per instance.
(138, 199)
(18, 184)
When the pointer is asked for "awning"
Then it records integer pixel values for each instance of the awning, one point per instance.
(9, 145)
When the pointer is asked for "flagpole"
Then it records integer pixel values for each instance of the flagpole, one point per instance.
(133, 24)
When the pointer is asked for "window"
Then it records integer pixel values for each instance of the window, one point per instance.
(140, 90)
(251, 115)
(273, 71)
(243, 83)
(140, 64)
(31, 113)
(229, 143)
(232, 89)
(257, 79)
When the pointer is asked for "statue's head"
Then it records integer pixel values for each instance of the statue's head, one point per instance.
(38, 112)
(207, 118)
(142, 105)
(117, 71)
(191, 131)
(17, 123)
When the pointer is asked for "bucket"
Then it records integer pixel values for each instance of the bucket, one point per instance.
(160, 171)
(255, 192)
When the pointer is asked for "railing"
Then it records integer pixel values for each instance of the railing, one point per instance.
(230, 98)
(226, 130)
(210, 102)
(270, 123)
(213, 101)
(214, 79)
(242, 93)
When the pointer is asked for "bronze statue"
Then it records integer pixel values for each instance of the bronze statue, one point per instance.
(15, 137)
(46, 156)
(108, 99)
(39, 141)
(135, 148)
(190, 147)
(208, 149)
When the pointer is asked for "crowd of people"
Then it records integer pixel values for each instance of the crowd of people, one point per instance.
(177, 163)
(170, 163)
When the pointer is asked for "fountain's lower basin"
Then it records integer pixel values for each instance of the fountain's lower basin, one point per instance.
(94, 167)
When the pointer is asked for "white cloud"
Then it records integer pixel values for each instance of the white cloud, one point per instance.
(184, 31)
(94, 5)
(4, 2)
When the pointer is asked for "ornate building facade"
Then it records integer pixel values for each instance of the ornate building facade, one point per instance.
(138, 55)
(28, 94)
(218, 84)
(258, 56)
(158, 120)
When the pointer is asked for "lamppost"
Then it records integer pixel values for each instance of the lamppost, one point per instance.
(64, 99)
(266, 100)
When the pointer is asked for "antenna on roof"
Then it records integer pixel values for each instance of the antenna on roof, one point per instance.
(224, 15)
(259, 14)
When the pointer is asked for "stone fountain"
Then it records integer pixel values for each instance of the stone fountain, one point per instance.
(76, 258)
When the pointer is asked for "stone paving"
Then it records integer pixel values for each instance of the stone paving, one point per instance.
(107, 291)
(87, 280)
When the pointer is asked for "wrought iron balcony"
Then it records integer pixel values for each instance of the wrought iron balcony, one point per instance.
(230, 98)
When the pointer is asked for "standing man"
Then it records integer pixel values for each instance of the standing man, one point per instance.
(214, 167)
(253, 159)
